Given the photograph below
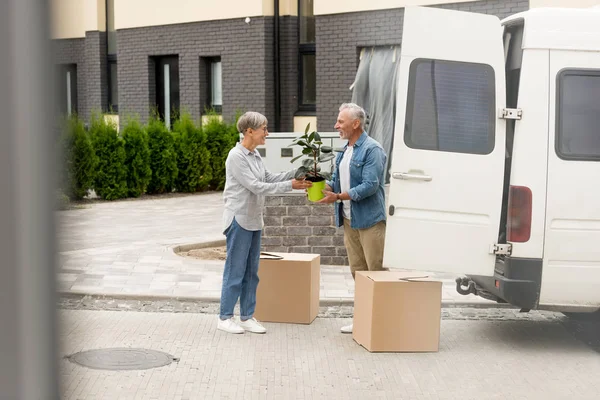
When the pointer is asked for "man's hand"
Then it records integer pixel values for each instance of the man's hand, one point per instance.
(328, 188)
(301, 184)
(329, 198)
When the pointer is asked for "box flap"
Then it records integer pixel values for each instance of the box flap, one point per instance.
(288, 256)
(395, 276)
(270, 256)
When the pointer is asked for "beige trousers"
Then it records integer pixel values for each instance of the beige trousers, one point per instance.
(365, 247)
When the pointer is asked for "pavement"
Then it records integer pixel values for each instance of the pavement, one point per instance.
(125, 249)
(483, 354)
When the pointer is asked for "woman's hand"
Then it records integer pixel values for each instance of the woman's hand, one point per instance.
(301, 184)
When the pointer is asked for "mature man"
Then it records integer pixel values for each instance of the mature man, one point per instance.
(357, 187)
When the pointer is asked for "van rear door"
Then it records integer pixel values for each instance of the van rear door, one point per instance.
(449, 147)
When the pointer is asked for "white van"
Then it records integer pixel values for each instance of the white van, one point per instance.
(496, 159)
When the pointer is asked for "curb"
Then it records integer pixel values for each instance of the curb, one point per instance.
(324, 302)
(195, 246)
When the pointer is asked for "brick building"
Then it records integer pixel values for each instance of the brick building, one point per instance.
(127, 57)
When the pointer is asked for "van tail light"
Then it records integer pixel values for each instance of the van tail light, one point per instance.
(519, 214)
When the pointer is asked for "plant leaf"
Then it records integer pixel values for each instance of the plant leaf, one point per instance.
(308, 162)
(326, 175)
(307, 151)
(295, 158)
(317, 137)
(300, 172)
(307, 128)
(326, 157)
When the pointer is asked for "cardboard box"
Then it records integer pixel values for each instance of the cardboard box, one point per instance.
(288, 290)
(397, 312)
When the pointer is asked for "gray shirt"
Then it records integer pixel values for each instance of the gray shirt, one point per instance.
(247, 183)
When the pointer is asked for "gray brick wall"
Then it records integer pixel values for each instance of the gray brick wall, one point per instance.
(247, 60)
(339, 36)
(95, 74)
(89, 54)
(246, 52)
(72, 51)
(294, 225)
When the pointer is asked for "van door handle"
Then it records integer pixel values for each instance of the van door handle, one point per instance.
(411, 176)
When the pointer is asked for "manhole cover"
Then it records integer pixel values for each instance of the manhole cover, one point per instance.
(122, 359)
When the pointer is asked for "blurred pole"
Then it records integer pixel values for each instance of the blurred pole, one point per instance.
(27, 306)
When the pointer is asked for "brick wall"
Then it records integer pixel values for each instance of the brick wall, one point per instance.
(72, 51)
(247, 60)
(295, 225)
(95, 74)
(339, 36)
(89, 54)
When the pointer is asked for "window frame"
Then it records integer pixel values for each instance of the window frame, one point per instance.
(559, 115)
(159, 63)
(112, 107)
(209, 72)
(410, 108)
(305, 49)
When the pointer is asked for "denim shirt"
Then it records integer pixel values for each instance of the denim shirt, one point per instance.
(367, 196)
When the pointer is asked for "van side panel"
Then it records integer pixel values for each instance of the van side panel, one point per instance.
(571, 272)
(530, 149)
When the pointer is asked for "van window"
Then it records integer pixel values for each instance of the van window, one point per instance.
(451, 107)
(578, 115)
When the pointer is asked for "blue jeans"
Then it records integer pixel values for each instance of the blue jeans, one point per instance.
(240, 276)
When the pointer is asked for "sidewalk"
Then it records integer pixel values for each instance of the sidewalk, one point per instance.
(125, 249)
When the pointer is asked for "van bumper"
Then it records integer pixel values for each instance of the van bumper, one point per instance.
(516, 281)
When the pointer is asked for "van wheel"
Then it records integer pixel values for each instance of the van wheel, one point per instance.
(583, 316)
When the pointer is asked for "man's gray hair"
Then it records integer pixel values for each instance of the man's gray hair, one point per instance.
(356, 112)
(251, 120)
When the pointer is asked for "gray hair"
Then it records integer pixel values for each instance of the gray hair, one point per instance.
(356, 112)
(251, 120)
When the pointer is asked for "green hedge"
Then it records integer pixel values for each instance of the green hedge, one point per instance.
(110, 181)
(137, 158)
(193, 158)
(77, 160)
(163, 159)
(221, 137)
(143, 158)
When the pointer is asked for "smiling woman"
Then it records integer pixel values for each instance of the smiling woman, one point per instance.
(247, 183)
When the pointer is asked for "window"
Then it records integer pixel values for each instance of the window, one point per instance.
(451, 107)
(113, 86)
(167, 87)
(578, 122)
(67, 89)
(216, 84)
(307, 82)
(111, 55)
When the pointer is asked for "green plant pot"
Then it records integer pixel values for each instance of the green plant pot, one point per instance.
(315, 192)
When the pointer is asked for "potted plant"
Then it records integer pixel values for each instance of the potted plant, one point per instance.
(315, 153)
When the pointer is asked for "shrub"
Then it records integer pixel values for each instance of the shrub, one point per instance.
(61, 201)
(137, 158)
(220, 138)
(163, 159)
(111, 174)
(193, 158)
(77, 161)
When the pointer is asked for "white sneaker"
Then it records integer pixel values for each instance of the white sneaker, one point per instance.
(347, 328)
(229, 326)
(252, 325)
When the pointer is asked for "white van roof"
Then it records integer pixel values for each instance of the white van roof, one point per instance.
(560, 28)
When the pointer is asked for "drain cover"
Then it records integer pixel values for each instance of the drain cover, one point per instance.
(117, 359)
